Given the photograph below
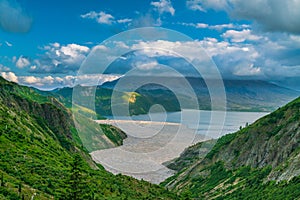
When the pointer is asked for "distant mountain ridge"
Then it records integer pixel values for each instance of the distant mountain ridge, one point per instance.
(242, 95)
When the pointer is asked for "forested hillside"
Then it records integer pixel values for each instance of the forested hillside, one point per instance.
(261, 160)
(41, 155)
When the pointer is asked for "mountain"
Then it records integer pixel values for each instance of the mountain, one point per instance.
(43, 157)
(242, 95)
(138, 103)
(261, 161)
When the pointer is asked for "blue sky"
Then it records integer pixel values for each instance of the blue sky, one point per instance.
(43, 43)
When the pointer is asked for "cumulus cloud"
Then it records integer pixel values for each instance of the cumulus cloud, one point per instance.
(155, 15)
(104, 18)
(240, 36)
(22, 62)
(146, 20)
(4, 68)
(163, 6)
(244, 70)
(146, 66)
(101, 17)
(276, 15)
(50, 82)
(10, 76)
(60, 58)
(242, 53)
(13, 17)
(203, 5)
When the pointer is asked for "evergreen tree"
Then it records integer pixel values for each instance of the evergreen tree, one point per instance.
(77, 188)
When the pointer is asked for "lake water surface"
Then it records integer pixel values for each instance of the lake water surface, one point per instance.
(150, 144)
(211, 123)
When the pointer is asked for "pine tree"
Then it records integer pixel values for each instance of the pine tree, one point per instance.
(77, 184)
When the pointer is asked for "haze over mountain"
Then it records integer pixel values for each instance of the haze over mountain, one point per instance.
(241, 95)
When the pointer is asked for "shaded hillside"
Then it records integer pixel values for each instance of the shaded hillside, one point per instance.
(41, 155)
(261, 160)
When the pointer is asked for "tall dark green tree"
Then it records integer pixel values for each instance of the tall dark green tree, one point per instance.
(77, 188)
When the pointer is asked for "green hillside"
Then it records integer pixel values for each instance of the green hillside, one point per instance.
(138, 103)
(259, 162)
(42, 157)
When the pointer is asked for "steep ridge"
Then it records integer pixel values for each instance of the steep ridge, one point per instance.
(42, 157)
(262, 160)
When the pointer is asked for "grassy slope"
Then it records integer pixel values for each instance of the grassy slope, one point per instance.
(259, 162)
(138, 104)
(37, 154)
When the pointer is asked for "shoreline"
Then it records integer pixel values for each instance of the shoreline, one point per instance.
(120, 121)
(148, 145)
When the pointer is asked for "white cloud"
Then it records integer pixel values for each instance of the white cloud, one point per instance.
(276, 15)
(30, 79)
(232, 59)
(4, 68)
(218, 27)
(164, 6)
(50, 82)
(101, 17)
(104, 18)
(72, 50)
(22, 62)
(240, 36)
(203, 5)
(201, 25)
(122, 21)
(8, 44)
(146, 20)
(10, 76)
(146, 66)
(13, 17)
(60, 58)
(244, 70)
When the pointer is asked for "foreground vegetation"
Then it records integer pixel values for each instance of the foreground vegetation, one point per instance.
(42, 157)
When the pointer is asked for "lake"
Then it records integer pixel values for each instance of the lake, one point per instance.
(151, 141)
(211, 123)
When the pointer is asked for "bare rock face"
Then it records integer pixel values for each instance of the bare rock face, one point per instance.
(272, 141)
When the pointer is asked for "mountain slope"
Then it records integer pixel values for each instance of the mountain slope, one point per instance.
(41, 154)
(242, 95)
(138, 104)
(262, 160)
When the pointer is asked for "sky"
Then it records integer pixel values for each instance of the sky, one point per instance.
(44, 43)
